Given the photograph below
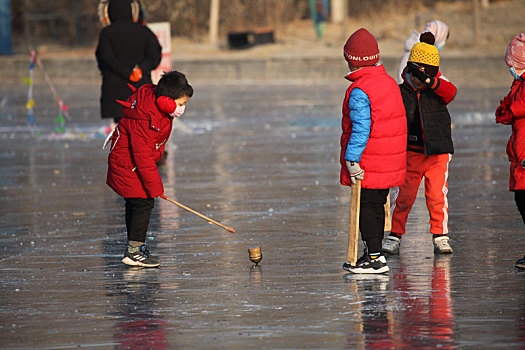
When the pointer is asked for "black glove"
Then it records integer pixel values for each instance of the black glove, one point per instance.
(414, 70)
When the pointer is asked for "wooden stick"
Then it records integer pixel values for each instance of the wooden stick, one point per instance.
(353, 233)
(229, 229)
(388, 214)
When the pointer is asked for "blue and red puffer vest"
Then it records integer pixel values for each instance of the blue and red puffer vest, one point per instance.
(384, 158)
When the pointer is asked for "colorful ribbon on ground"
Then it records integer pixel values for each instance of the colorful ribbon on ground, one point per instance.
(30, 100)
(63, 117)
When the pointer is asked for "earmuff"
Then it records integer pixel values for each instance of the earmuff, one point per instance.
(166, 104)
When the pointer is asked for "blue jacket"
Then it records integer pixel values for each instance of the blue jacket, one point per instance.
(359, 105)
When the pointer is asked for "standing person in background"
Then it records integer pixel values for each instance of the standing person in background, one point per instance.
(319, 12)
(511, 111)
(373, 143)
(126, 53)
(441, 33)
(426, 96)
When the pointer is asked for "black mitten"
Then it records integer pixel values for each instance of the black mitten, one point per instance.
(415, 71)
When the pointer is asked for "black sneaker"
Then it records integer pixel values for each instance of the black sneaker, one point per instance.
(520, 264)
(140, 256)
(365, 264)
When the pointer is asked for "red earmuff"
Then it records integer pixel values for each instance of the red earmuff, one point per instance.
(166, 104)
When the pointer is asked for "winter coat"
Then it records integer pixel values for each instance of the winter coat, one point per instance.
(511, 111)
(409, 43)
(384, 157)
(428, 108)
(137, 144)
(122, 45)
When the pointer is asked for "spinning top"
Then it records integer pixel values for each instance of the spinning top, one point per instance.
(255, 255)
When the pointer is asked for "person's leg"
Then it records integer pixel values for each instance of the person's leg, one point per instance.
(519, 198)
(372, 218)
(407, 193)
(371, 225)
(403, 201)
(436, 195)
(138, 212)
(436, 192)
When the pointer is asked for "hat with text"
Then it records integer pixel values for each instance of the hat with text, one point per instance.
(361, 49)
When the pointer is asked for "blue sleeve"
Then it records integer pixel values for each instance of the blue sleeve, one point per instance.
(360, 116)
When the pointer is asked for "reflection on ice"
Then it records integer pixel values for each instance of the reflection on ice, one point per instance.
(271, 171)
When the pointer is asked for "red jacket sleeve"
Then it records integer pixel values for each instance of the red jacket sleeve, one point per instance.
(503, 113)
(517, 104)
(444, 88)
(143, 151)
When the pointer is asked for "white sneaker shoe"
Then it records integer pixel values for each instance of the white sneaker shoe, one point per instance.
(441, 245)
(391, 245)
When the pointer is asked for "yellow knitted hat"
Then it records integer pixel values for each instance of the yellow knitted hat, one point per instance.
(424, 53)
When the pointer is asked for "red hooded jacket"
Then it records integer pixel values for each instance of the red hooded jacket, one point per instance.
(137, 144)
(511, 111)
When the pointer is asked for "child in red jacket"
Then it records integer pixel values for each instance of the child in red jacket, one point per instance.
(137, 143)
(373, 143)
(511, 111)
(426, 96)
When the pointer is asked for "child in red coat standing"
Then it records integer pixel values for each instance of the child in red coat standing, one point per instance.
(426, 96)
(511, 111)
(373, 143)
(137, 143)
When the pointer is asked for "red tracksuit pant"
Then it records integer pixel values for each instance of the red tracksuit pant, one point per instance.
(435, 170)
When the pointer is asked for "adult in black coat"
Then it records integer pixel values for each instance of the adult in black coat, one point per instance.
(127, 52)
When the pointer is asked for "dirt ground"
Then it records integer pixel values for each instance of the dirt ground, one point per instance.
(498, 25)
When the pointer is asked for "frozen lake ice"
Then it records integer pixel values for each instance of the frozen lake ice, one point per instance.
(262, 159)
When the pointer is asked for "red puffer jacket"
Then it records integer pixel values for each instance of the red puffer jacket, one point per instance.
(511, 111)
(137, 144)
(384, 158)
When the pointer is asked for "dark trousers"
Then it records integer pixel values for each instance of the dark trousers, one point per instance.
(519, 198)
(372, 217)
(138, 212)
